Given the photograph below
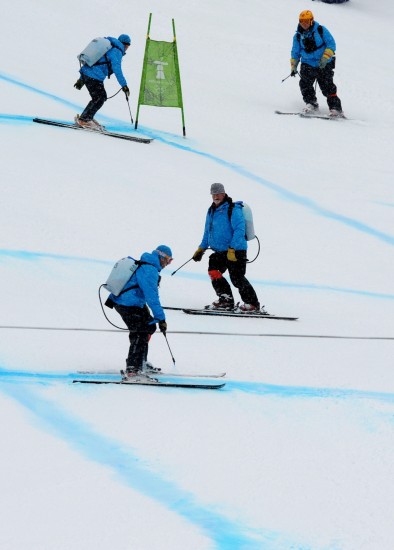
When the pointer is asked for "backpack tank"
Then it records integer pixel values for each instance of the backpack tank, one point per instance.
(249, 226)
(94, 51)
(120, 275)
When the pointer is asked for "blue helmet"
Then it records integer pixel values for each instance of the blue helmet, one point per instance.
(164, 250)
(125, 39)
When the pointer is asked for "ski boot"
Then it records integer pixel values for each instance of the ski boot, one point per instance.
(224, 303)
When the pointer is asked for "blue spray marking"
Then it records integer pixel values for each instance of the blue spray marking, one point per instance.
(11, 119)
(27, 255)
(130, 470)
(281, 191)
(12, 80)
(256, 388)
(36, 256)
(381, 203)
(327, 288)
(126, 464)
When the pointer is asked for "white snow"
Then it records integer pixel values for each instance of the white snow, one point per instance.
(296, 452)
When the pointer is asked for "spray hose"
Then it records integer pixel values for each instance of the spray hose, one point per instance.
(105, 315)
(258, 252)
(128, 104)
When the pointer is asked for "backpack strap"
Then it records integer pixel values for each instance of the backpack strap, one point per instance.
(319, 30)
(108, 62)
(230, 210)
(231, 204)
(231, 207)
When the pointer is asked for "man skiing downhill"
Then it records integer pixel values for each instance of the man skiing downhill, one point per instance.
(132, 305)
(225, 235)
(314, 45)
(93, 78)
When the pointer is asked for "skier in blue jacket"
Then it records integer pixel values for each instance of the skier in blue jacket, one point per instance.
(93, 78)
(225, 235)
(315, 46)
(139, 294)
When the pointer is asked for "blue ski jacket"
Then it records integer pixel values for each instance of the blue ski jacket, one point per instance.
(322, 42)
(144, 287)
(220, 233)
(100, 70)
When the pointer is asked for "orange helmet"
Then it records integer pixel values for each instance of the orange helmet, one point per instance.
(306, 15)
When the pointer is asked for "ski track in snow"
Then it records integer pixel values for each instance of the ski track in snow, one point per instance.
(36, 256)
(175, 141)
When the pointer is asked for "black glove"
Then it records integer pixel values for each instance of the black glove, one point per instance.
(293, 73)
(241, 255)
(163, 326)
(197, 256)
(109, 303)
(126, 91)
(79, 84)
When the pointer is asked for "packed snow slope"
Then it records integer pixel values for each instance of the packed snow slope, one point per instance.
(295, 452)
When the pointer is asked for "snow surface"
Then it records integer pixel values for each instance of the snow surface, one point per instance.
(296, 452)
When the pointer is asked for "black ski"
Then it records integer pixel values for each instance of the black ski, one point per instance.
(225, 313)
(104, 132)
(157, 383)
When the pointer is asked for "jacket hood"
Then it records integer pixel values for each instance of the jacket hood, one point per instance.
(116, 43)
(152, 258)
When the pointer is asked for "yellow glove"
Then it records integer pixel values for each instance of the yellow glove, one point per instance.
(197, 256)
(231, 255)
(326, 57)
(293, 66)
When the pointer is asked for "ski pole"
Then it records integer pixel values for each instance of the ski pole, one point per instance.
(172, 357)
(128, 104)
(289, 76)
(173, 273)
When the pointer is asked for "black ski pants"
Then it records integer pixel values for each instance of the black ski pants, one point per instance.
(218, 264)
(325, 79)
(97, 93)
(137, 320)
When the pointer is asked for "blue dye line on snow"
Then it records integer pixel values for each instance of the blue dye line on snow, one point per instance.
(281, 191)
(256, 388)
(120, 126)
(128, 467)
(35, 256)
(381, 203)
(27, 255)
(300, 286)
(16, 118)
(28, 87)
